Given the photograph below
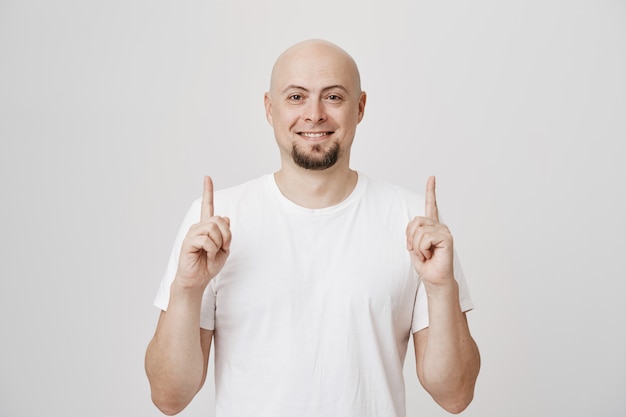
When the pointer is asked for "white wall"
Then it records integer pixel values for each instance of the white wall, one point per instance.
(111, 112)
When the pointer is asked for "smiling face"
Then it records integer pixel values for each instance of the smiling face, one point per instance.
(314, 105)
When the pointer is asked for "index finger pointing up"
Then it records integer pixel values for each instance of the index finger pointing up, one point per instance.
(431, 200)
(206, 210)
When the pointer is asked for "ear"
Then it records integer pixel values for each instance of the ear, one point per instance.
(362, 101)
(268, 108)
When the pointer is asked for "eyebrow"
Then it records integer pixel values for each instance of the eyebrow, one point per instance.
(330, 87)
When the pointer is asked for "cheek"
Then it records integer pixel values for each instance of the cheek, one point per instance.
(285, 117)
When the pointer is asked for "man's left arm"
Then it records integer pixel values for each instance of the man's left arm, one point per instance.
(446, 356)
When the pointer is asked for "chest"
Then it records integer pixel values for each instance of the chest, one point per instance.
(332, 270)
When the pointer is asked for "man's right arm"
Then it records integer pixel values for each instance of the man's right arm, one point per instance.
(177, 357)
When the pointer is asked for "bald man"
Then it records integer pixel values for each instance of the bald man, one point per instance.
(311, 281)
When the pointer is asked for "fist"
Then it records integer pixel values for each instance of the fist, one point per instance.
(206, 246)
(430, 243)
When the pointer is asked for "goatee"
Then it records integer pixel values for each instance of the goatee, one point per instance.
(316, 158)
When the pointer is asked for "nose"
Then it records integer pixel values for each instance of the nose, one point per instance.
(315, 112)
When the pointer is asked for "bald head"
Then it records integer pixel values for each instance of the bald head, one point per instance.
(302, 59)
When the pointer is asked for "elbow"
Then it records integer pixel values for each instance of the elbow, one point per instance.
(168, 407)
(164, 398)
(169, 401)
(454, 399)
(457, 404)
(168, 396)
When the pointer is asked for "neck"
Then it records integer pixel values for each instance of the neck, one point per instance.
(316, 189)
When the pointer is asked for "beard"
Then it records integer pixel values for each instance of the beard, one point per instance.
(316, 159)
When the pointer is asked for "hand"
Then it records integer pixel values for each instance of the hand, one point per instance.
(430, 243)
(206, 246)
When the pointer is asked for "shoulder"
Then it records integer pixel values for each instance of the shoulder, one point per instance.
(252, 186)
(227, 199)
(391, 195)
(252, 193)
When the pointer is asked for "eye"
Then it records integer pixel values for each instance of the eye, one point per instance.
(333, 97)
(295, 97)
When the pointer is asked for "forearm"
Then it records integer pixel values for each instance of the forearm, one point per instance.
(175, 358)
(451, 360)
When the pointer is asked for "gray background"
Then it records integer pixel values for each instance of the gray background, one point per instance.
(111, 112)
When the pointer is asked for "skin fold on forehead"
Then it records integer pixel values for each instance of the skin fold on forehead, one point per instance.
(309, 51)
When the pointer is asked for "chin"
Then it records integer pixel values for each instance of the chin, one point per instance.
(316, 159)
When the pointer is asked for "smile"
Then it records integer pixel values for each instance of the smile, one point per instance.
(314, 135)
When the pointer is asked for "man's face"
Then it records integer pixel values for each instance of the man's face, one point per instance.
(314, 105)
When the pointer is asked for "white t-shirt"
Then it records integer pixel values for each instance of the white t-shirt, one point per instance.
(314, 308)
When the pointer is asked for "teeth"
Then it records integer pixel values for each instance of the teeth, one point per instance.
(314, 135)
